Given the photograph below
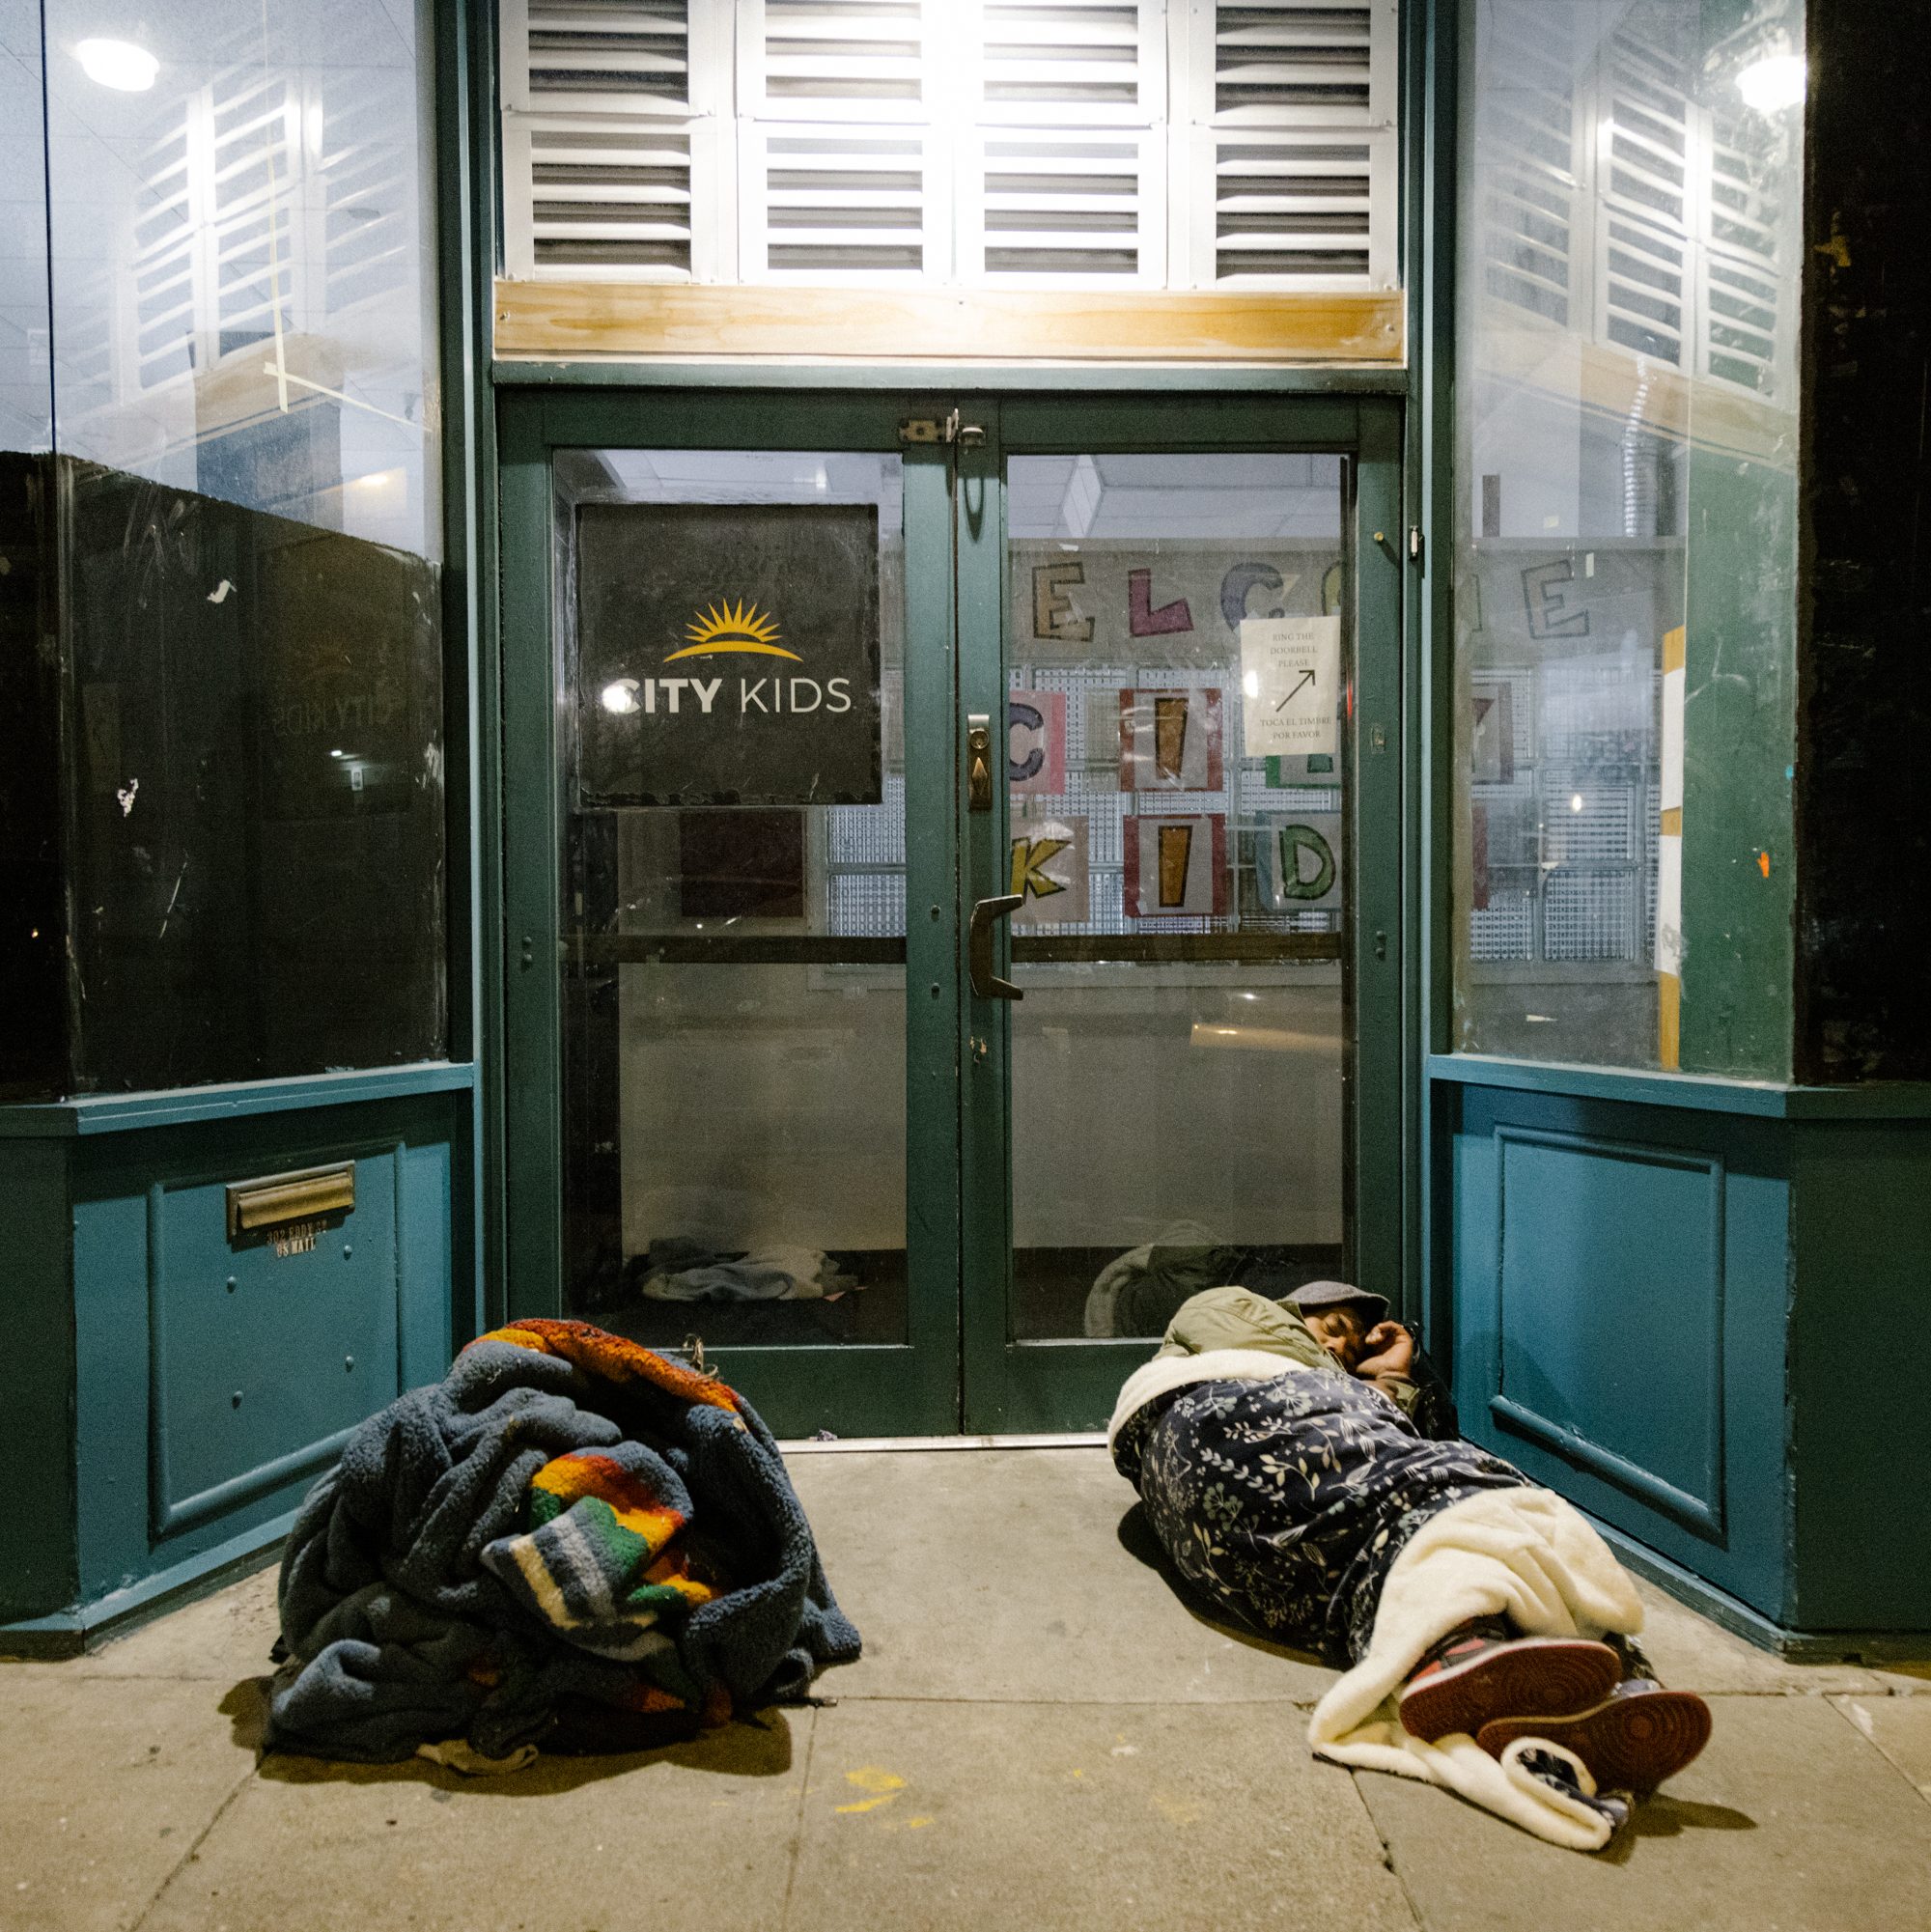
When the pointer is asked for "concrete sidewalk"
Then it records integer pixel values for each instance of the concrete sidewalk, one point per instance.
(1040, 1735)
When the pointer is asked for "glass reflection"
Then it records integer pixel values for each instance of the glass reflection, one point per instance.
(1626, 531)
(244, 285)
(1179, 1061)
(734, 894)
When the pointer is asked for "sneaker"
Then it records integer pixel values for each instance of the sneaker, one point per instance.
(1639, 1735)
(1483, 1671)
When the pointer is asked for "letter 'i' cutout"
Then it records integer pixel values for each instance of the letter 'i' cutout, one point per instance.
(1176, 849)
(1169, 737)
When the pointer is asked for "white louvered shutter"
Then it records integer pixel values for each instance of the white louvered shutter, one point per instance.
(626, 200)
(839, 60)
(1288, 176)
(1747, 297)
(833, 203)
(1643, 191)
(1063, 63)
(1294, 63)
(1529, 173)
(1293, 210)
(1066, 208)
(596, 56)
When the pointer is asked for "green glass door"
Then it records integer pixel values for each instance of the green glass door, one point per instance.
(830, 725)
(732, 1094)
(1182, 1061)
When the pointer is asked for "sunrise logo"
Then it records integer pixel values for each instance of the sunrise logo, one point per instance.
(731, 628)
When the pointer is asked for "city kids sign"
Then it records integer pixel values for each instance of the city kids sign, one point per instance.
(728, 654)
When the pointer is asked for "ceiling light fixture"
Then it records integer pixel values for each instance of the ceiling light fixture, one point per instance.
(118, 64)
(1774, 82)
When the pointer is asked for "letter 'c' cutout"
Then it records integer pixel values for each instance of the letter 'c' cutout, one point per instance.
(1238, 584)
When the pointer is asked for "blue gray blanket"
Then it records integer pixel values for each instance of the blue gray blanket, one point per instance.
(568, 1524)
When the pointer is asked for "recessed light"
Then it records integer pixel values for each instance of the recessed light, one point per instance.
(118, 64)
(1776, 81)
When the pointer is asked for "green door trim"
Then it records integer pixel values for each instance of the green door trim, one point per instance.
(1053, 1386)
(893, 1390)
(958, 1101)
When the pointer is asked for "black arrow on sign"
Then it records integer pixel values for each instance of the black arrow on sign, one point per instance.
(1306, 679)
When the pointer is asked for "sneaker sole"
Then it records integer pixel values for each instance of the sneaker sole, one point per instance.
(1630, 1743)
(1553, 1674)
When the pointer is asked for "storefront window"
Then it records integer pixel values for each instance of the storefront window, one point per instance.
(218, 313)
(1626, 531)
(26, 385)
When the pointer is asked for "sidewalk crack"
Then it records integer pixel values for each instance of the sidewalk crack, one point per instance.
(798, 1823)
(1387, 1849)
(182, 1864)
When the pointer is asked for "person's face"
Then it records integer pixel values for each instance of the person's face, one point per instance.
(1340, 1332)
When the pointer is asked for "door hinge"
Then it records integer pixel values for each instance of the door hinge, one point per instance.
(1414, 543)
(947, 429)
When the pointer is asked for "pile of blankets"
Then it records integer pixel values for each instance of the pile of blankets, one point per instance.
(677, 1269)
(567, 1535)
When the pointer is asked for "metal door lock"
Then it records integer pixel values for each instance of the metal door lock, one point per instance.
(979, 763)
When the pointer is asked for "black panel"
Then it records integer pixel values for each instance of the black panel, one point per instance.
(33, 1055)
(728, 654)
(252, 789)
(1864, 784)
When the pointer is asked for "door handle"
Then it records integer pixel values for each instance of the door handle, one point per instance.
(986, 983)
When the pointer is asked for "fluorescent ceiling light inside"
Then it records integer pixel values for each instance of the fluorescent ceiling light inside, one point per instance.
(118, 64)
(1774, 82)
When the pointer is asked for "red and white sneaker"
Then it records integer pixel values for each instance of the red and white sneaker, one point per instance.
(1639, 1735)
(1484, 1672)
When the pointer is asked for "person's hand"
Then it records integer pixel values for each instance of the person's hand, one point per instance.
(1387, 1349)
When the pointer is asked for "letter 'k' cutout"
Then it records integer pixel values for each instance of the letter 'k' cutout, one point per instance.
(1030, 857)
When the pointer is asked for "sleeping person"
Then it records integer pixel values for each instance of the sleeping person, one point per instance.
(1298, 1462)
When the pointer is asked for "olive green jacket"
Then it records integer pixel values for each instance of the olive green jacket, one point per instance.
(1237, 1318)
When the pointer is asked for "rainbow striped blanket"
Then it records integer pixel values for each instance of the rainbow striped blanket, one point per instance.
(568, 1524)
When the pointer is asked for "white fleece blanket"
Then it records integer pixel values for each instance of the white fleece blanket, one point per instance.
(1519, 1553)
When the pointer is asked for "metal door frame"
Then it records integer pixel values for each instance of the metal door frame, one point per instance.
(1053, 1386)
(957, 1367)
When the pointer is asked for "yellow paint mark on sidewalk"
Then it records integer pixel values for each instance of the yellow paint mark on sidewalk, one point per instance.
(885, 1786)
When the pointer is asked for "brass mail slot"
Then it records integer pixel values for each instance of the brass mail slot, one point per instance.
(276, 1200)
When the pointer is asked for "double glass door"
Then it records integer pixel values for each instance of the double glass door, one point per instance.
(952, 883)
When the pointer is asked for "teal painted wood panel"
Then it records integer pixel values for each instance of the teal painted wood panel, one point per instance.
(1859, 1356)
(1619, 1286)
(1610, 1311)
(170, 1474)
(38, 1557)
(262, 1363)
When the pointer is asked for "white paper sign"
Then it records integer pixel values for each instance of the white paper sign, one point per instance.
(1671, 778)
(1669, 905)
(1290, 674)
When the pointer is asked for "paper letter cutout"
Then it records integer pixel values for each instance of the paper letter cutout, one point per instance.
(1036, 741)
(1298, 863)
(1175, 867)
(1053, 614)
(1049, 868)
(1240, 584)
(1143, 619)
(1549, 611)
(1170, 740)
